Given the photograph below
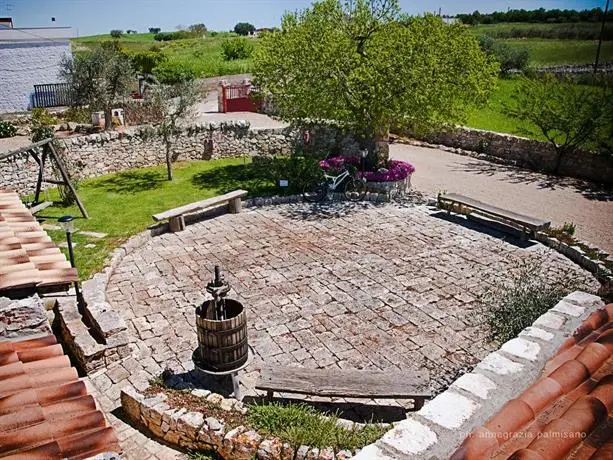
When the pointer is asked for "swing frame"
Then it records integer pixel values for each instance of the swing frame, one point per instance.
(48, 154)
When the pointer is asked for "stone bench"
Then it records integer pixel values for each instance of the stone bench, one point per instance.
(175, 216)
(346, 383)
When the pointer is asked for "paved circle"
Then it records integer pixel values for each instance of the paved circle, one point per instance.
(350, 286)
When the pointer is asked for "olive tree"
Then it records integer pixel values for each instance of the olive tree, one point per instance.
(99, 79)
(568, 115)
(175, 103)
(368, 67)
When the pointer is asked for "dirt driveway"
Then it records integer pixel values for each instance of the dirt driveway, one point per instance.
(589, 206)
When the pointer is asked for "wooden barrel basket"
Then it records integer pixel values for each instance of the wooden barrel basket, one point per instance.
(223, 344)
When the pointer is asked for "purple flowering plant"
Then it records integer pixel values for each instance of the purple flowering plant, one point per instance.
(394, 170)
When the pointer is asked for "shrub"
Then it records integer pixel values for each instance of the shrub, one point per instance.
(41, 132)
(43, 117)
(172, 72)
(7, 129)
(77, 115)
(515, 303)
(116, 33)
(238, 48)
(146, 61)
(178, 35)
(509, 58)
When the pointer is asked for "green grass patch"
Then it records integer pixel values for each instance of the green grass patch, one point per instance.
(544, 52)
(576, 30)
(300, 424)
(492, 117)
(121, 204)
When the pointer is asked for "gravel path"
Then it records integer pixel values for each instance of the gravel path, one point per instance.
(589, 206)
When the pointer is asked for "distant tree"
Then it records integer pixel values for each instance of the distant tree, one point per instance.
(99, 79)
(175, 103)
(198, 30)
(367, 66)
(568, 115)
(154, 30)
(244, 28)
(116, 33)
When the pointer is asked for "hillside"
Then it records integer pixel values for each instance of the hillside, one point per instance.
(203, 55)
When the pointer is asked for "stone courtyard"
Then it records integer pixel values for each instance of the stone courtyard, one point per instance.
(359, 286)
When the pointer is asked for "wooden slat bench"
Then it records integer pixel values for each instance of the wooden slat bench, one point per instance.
(465, 205)
(346, 383)
(175, 216)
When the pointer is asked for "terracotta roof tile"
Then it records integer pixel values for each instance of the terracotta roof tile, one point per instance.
(45, 411)
(541, 394)
(28, 257)
(564, 414)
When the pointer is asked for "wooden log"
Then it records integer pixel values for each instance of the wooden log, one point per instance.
(177, 224)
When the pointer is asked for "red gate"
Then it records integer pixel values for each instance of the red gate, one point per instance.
(237, 98)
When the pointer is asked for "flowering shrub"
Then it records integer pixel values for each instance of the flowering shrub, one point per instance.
(395, 170)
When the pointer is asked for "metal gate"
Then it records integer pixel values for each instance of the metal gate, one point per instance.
(237, 98)
(52, 95)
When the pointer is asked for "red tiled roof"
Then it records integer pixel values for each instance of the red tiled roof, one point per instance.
(566, 413)
(45, 411)
(28, 257)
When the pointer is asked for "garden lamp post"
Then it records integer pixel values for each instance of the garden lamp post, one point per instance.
(363, 155)
(68, 225)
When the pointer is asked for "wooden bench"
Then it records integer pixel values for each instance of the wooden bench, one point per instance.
(346, 383)
(457, 203)
(175, 216)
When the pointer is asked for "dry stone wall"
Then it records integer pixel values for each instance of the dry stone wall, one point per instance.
(528, 153)
(107, 152)
(98, 154)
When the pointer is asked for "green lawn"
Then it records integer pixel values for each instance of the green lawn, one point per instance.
(492, 116)
(203, 55)
(122, 204)
(548, 52)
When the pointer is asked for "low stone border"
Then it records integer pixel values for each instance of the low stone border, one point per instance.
(441, 425)
(194, 430)
(577, 255)
(92, 345)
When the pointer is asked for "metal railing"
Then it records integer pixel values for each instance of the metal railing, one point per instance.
(52, 95)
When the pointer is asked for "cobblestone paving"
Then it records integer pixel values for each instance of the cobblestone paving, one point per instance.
(352, 286)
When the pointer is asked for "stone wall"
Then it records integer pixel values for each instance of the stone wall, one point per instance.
(25, 65)
(107, 152)
(528, 153)
(23, 318)
(196, 431)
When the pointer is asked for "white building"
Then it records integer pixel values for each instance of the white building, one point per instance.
(29, 57)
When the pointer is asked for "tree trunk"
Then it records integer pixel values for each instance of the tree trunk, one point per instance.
(382, 146)
(560, 153)
(168, 160)
(108, 120)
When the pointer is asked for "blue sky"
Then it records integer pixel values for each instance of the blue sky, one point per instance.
(99, 16)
